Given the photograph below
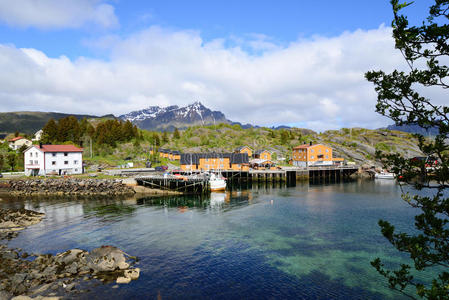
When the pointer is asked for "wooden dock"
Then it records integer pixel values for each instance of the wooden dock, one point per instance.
(186, 185)
(290, 174)
(195, 183)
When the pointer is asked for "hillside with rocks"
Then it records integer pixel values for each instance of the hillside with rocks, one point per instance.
(354, 145)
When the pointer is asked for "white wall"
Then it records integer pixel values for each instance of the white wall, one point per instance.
(59, 160)
(33, 157)
(321, 163)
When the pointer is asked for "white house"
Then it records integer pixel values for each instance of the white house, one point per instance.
(18, 142)
(38, 135)
(53, 160)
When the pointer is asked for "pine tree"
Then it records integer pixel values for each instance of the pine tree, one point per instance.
(83, 125)
(12, 160)
(401, 98)
(164, 137)
(128, 130)
(49, 132)
(176, 134)
(284, 137)
(156, 139)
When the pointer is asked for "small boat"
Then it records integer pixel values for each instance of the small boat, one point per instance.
(384, 175)
(217, 183)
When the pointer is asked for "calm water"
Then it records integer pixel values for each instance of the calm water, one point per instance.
(308, 241)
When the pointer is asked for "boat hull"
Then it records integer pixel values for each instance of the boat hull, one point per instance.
(217, 185)
(384, 176)
(216, 189)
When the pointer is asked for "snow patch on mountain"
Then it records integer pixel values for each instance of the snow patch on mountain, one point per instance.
(155, 117)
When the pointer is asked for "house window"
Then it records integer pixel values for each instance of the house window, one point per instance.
(31, 154)
(319, 150)
(76, 170)
(36, 162)
(53, 163)
(312, 157)
(31, 162)
(311, 150)
(221, 166)
(66, 162)
(327, 150)
(53, 154)
(37, 154)
(75, 162)
(327, 156)
(207, 159)
(66, 154)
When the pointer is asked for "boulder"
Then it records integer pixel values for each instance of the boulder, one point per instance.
(22, 298)
(106, 258)
(70, 256)
(133, 274)
(123, 280)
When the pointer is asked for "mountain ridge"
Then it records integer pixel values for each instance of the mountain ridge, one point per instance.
(173, 116)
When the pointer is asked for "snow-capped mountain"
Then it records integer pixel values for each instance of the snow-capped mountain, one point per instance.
(167, 118)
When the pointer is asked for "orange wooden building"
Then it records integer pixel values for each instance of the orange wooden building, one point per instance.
(313, 155)
(263, 154)
(244, 149)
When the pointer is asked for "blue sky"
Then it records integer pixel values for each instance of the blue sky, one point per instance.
(283, 21)
(219, 52)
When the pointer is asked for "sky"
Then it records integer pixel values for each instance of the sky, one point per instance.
(264, 62)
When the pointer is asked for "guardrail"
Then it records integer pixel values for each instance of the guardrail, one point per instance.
(311, 168)
(13, 173)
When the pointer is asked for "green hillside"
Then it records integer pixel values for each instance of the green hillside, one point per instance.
(357, 144)
(29, 121)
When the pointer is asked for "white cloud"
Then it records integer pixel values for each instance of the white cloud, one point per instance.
(316, 83)
(56, 14)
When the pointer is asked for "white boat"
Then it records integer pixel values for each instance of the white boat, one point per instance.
(384, 175)
(217, 183)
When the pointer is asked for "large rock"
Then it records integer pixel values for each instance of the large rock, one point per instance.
(106, 259)
(71, 255)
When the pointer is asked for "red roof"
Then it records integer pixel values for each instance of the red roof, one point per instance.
(16, 139)
(59, 148)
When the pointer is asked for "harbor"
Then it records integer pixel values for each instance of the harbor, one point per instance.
(197, 182)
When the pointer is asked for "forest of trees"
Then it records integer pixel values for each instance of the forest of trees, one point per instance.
(107, 132)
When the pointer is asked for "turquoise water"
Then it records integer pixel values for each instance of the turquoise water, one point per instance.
(264, 242)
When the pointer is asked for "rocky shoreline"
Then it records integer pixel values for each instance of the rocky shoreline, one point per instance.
(66, 186)
(46, 276)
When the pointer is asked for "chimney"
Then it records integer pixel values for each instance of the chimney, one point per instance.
(81, 144)
(40, 145)
(310, 143)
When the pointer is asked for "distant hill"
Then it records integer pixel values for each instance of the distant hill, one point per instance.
(413, 128)
(167, 118)
(31, 121)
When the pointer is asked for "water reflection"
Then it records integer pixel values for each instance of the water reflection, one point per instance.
(255, 240)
